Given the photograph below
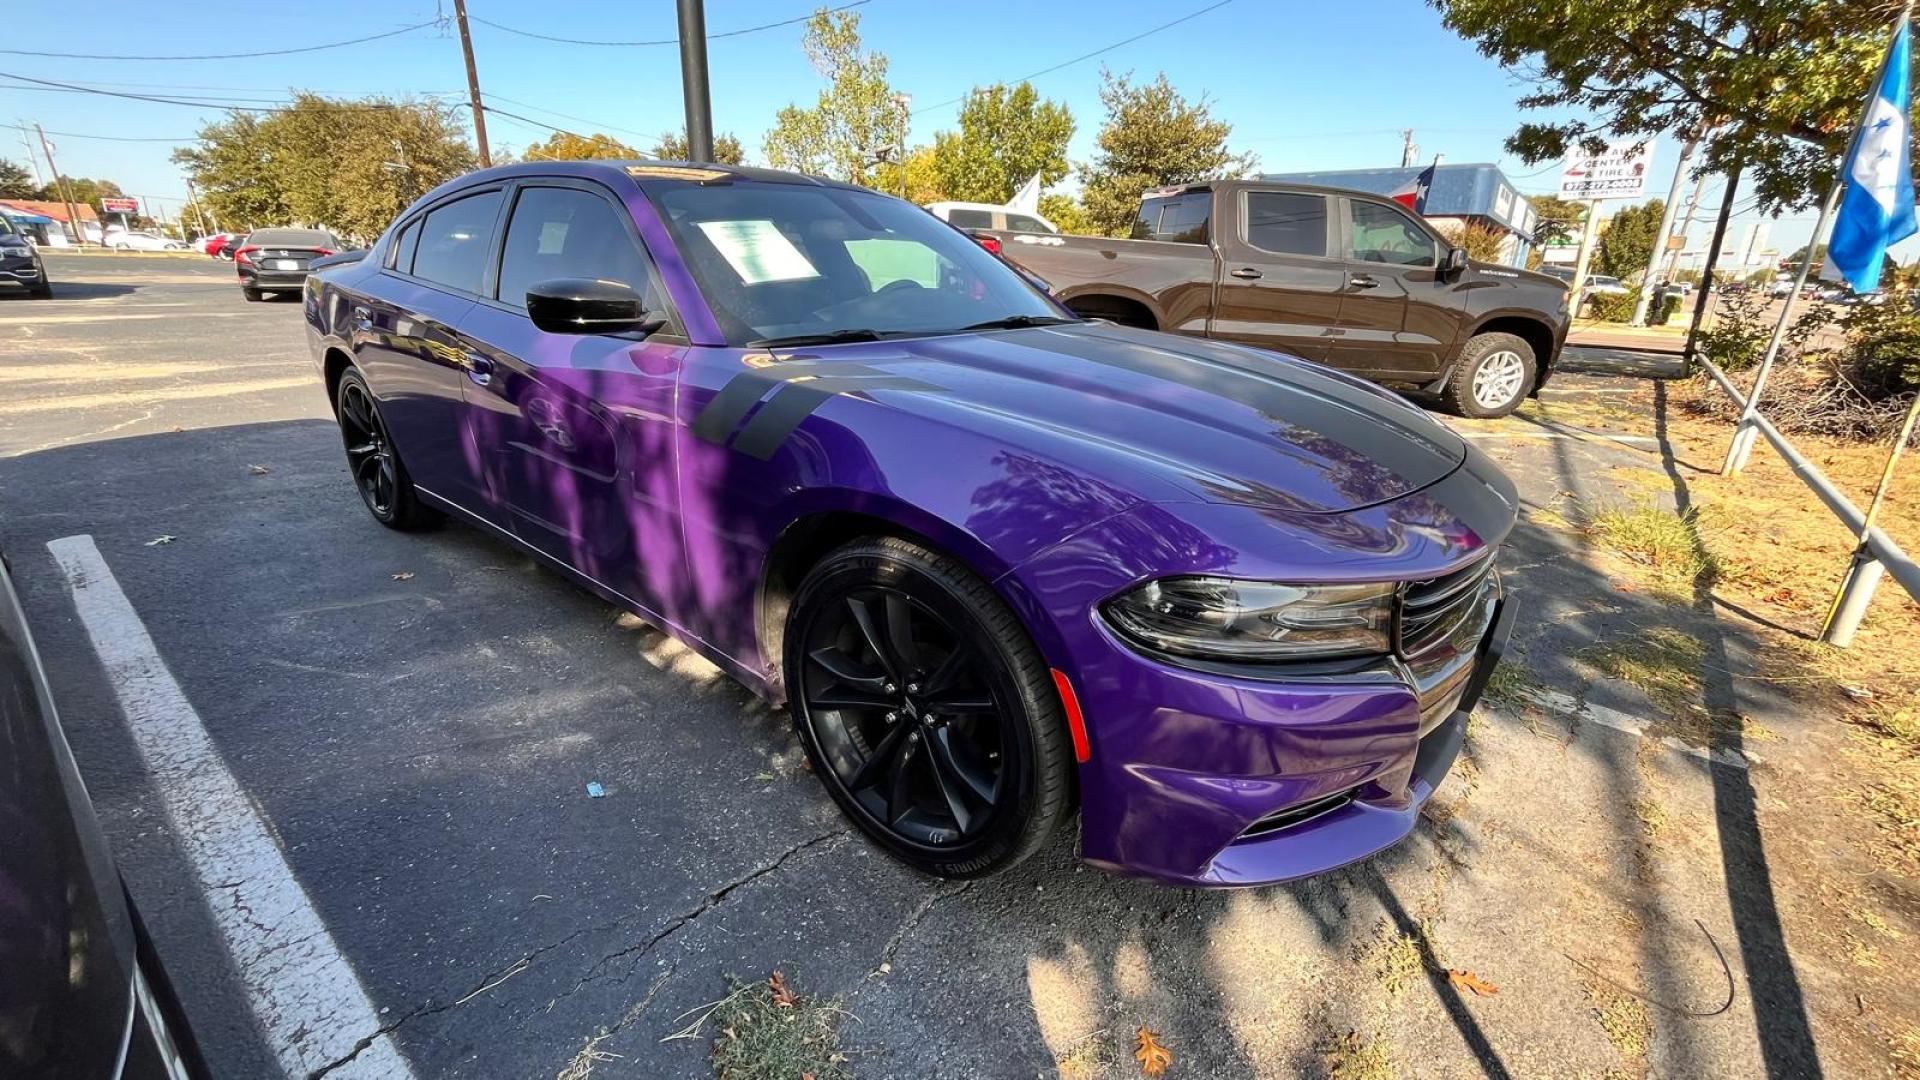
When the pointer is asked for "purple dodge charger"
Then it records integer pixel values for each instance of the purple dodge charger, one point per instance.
(999, 562)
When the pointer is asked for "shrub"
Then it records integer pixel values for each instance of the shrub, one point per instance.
(1612, 307)
(1883, 346)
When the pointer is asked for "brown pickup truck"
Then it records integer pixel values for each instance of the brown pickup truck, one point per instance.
(1343, 277)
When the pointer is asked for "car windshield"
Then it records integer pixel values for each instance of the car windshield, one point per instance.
(778, 261)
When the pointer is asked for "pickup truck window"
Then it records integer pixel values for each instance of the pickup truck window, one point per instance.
(1384, 234)
(1025, 223)
(961, 217)
(778, 260)
(1179, 219)
(1287, 223)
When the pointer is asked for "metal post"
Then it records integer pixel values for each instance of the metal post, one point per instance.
(903, 104)
(66, 193)
(1865, 572)
(1713, 256)
(693, 79)
(473, 85)
(1666, 226)
(1588, 231)
(1744, 434)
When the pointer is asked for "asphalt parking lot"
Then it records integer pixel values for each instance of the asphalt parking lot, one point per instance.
(416, 718)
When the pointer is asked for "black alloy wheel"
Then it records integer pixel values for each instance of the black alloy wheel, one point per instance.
(377, 470)
(925, 709)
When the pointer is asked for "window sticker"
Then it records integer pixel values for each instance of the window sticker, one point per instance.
(553, 237)
(758, 251)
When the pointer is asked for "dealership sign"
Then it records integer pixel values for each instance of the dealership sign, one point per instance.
(1619, 173)
(120, 206)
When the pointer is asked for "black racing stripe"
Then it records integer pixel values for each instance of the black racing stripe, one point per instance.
(723, 413)
(1287, 397)
(796, 401)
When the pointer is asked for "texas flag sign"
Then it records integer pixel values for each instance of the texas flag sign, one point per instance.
(1877, 210)
(1413, 193)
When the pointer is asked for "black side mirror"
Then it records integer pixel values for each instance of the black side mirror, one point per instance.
(1454, 262)
(589, 306)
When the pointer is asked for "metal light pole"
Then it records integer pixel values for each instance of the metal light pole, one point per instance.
(902, 103)
(1588, 231)
(693, 79)
(1713, 256)
(1666, 226)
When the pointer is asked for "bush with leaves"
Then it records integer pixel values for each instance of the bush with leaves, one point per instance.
(1883, 346)
(1612, 307)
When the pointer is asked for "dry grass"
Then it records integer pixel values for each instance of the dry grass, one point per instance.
(1394, 958)
(1664, 662)
(1354, 1056)
(1672, 550)
(758, 1038)
(1624, 1019)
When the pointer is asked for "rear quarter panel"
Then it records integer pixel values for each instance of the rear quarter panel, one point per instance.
(1174, 281)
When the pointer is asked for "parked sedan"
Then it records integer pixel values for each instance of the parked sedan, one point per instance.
(277, 260)
(20, 262)
(83, 994)
(134, 240)
(996, 561)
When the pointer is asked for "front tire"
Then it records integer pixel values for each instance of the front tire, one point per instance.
(252, 294)
(42, 291)
(1495, 374)
(378, 472)
(925, 710)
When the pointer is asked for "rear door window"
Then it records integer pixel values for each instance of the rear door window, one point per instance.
(1026, 223)
(455, 240)
(961, 217)
(400, 255)
(1287, 223)
(561, 232)
(1180, 219)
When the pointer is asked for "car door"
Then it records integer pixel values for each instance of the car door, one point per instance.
(404, 339)
(1279, 287)
(1399, 314)
(574, 432)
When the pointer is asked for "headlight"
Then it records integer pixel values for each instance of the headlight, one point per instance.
(1225, 619)
(15, 250)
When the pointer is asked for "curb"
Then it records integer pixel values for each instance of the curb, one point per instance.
(100, 252)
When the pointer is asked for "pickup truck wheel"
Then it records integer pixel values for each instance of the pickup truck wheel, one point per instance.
(1494, 375)
(925, 710)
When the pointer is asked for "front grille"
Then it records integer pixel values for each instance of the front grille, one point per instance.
(1430, 611)
(1296, 815)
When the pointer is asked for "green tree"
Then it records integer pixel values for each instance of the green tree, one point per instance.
(1776, 84)
(1152, 138)
(15, 181)
(1066, 212)
(85, 192)
(1627, 241)
(1557, 219)
(1819, 255)
(923, 178)
(350, 166)
(1006, 136)
(672, 146)
(566, 146)
(855, 117)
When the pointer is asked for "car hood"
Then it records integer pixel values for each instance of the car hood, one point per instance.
(1182, 418)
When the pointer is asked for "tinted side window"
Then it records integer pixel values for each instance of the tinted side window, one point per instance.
(1180, 219)
(1287, 223)
(1383, 234)
(568, 233)
(455, 240)
(1026, 223)
(400, 255)
(962, 218)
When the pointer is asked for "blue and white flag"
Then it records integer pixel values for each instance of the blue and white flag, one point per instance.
(1877, 210)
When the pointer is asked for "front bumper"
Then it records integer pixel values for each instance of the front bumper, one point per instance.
(22, 271)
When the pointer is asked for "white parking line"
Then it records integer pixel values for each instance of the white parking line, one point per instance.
(306, 995)
(1637, 726)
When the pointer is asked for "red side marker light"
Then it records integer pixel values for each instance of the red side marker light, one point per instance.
(1076, 721)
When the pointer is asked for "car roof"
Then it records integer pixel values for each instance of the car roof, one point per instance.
(648, 171)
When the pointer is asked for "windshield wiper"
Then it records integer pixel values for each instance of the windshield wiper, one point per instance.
(825, 337)
(1018, 322)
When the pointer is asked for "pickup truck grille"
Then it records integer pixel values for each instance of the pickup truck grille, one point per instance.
(1431, 610)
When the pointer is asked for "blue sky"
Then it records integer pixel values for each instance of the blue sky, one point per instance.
(1306, 85)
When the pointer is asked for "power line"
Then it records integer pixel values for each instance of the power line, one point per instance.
(570, 116)
(663, 41)
(531, 120)
(226, 56)
(201, 104)
(1091, 55)
(124, 138)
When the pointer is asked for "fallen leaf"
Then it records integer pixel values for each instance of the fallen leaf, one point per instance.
(258, 470)
(404, 575)
(763, 776)
(1153, 1057)
(158, 540)
(1467, 980)
(783, 994)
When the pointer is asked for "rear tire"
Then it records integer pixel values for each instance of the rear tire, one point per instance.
(925, 710)
(252, 294)
(374, 462)
(1495, 374)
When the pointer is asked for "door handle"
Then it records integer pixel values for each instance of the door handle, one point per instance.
(479, 368)
(1246, 272)
(362, 319)
(1363, 281)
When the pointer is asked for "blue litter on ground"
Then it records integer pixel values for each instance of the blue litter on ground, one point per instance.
(595, 791)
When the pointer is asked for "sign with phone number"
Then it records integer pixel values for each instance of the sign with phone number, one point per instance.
(1619, 173)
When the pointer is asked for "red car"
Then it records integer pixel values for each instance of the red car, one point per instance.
(221, 245)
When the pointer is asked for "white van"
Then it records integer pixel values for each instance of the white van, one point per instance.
(973, 215)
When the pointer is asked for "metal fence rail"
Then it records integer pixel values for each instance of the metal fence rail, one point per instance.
(1877, 554)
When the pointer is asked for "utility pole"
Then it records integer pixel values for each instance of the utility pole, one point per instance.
(200, 209)
(1686, 227)
(33, 159)
(1713, 256)
(1659, 251)
(693, 79)
(473, 84)
(1409, 153)
(1587, 232)
(66, 193)
(902, 103)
